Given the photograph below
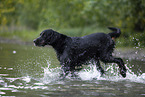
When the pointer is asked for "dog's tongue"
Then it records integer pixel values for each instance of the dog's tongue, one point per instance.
(34, 44)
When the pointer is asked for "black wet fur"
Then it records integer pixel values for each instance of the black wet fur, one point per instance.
(72, 52)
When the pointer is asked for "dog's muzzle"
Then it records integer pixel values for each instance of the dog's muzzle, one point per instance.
(38, 42)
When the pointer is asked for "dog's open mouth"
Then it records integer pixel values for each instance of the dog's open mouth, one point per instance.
(34, 44)
(38, 43)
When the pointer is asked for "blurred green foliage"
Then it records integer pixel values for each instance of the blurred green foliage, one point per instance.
(74, 17)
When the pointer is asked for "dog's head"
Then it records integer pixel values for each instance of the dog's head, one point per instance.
(46, 38)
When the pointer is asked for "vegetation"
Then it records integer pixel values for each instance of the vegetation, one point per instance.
(26, 18)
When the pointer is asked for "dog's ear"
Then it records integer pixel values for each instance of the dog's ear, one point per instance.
(47, 33)
(50, 39)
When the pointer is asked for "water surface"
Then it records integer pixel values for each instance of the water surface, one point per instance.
(29, 71)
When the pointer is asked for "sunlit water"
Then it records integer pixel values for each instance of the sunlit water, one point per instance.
(29, 71)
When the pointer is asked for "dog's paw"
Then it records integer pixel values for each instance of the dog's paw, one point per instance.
(103, 73)
(123, 72)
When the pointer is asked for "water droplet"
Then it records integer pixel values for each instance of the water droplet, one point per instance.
(14, 52)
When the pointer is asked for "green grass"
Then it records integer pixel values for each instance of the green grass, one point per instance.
(29, 35)
(133, 40)
(78, 32)
(23, 35)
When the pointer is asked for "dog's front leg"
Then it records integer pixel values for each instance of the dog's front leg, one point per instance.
(65, 71)
(99, 67)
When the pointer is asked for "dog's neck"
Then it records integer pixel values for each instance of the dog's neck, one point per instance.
(60, 43)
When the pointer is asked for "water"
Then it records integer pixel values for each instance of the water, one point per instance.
(29, 71)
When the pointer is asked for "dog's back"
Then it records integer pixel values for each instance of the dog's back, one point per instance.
(97, 40)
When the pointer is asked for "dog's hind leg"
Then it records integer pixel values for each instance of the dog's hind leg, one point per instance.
(119, 61)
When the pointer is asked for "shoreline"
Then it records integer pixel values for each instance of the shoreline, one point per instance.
(130, 53)
(14, 41)
(127, 53)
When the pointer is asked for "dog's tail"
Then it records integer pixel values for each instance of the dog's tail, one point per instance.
(116, 32)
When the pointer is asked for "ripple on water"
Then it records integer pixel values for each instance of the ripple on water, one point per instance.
(90, 82)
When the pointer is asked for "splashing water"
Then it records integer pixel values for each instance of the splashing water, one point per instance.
(112, 74)
(91, 73)
(50, 74)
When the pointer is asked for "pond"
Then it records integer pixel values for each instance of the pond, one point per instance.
(29, 71)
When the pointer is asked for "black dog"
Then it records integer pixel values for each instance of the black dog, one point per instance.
(72, 52)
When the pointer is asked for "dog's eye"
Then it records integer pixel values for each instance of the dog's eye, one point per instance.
(43, 35)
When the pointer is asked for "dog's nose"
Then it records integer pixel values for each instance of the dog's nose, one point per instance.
(34, 40)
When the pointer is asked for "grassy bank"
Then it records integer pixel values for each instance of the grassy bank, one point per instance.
(132, 40)
(29, 35)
